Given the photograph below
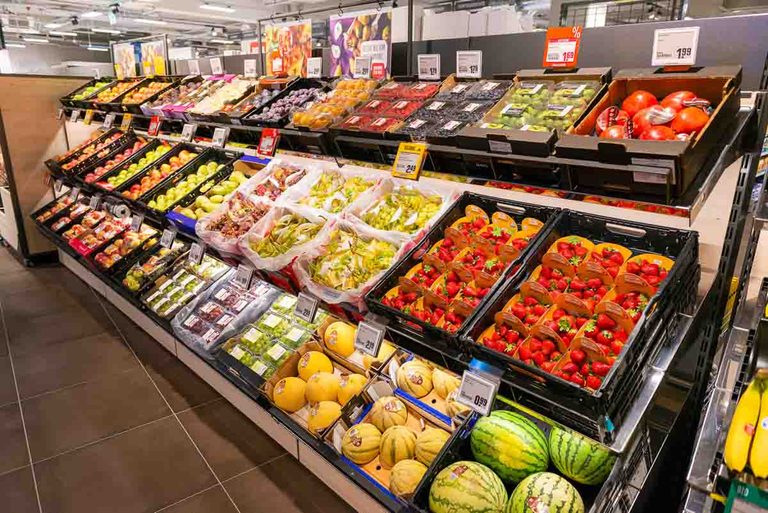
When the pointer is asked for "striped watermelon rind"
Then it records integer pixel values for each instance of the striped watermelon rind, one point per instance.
(579, 458)
(545, 491)
(510, 444)
(467, 487)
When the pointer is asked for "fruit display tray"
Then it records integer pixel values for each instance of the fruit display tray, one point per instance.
(301, 83)
(81, 170)
(135, 108)
(598, 413)
(55, 164)
(85, 103)
(427, 334)
(151, 145)
(174, 151)
(114, 105)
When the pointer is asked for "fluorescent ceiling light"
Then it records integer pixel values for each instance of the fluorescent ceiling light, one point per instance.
(213, 7)
(59, 33)
(54, 25)
(98, 49)
(147, 21)
(91, 14)
(223, 41)
(15, 45)
(35, 40)
(18, 30)
(105, 31)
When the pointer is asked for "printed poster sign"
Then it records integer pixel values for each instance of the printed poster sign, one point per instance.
(364, 33)
(288, 46)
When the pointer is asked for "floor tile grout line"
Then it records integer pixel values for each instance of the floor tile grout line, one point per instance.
(194, 444)
(74, 385)
(10, 471)
(201, 405)
(21, 410)
(164, 508)
(256, 467)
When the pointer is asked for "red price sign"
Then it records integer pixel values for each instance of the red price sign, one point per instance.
(378, 71)
(154, 126)
(268, 141)
(561, 49)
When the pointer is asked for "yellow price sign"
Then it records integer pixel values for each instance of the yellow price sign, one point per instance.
(126, 124)
(88, 117)
(409, 160)
(159, 63)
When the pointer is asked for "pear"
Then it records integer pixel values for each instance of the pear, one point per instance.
(217, 198)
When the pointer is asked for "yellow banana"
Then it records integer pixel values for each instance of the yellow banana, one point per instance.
(742, 427)
(758, 455)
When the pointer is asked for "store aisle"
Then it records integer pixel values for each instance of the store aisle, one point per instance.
(97, 417)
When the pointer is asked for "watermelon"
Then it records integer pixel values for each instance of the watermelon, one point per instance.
(545, 491)
(467, 487)
(579, 458)
(510, 444)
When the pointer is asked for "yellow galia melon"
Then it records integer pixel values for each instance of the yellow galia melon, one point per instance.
(388, 411)
(415, 377)
(453, 406)
(406, 476)
(340, 338)
(289, 394)
(397, 443)
(312, 362)
(444, 383)
(322, 415)
(322, 386)
(349, 386)
(361, 443)
(428, 444)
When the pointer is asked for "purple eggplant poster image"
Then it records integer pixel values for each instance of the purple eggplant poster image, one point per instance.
(366, 33)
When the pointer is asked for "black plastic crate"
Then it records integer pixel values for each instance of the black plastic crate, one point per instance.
(84, 103)
(301, 83)
(175, 150)
(81, 170)
(431, 336)
(151, 145)
(598, 414)
(116, 277)
(55, 164)
(135, 108)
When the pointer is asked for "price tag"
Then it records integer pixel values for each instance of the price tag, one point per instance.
(169, 235)
(88, 117)
(477, 392)
(220, 137)
(745, 498)
(561, 49)
(429, 66)
(362, 67)
(196, 253)
(243, 276)
(74, 192)
(126, 123)
(194, 67)
(378, 71)
(74, 116)
(469, 64)
(60, 114)
(409, 160)
(95, 201)
(675, 46)
(249, 68)
(268, 141)
(154, 126)
(136, 222)
(188, 132)
(306, 307)
(369, 337)
(109, 120)
(314, 67)
(57, 185)
(217, 68)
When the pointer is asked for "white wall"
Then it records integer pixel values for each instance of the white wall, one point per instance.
(40, 59)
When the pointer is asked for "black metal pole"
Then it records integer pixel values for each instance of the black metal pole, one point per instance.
(262, 60)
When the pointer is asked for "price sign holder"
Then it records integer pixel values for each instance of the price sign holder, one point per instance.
(429, 66)
(477, 391)
(196, 253)
(268, 142)
(95, 201)
(169, 235)
(136, 222)
(306, 307)
(746, 498)
(188, 132)
(154, 126)
(409, 160)
(362, 67)
(243, 276)
(126, 122)
(561, 49)
(194, 67)
(109, 121)
(217, 68)
(675, 48)
(60, 114)
(220, 137)
(88, 117)
(74, 192)
(74, 116)
(369, 337)
(314, 67)
(249, 68)
(469, 64)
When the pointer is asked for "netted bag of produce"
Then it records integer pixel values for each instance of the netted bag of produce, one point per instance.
(282, 235)
(335, 190)
(224, 228)
(347, 261)
(277, 178)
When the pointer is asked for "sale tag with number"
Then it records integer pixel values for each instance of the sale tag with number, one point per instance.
(306, 307)
(196, 253)
(220, 137)
(126, 123)
(188, 132)
(154, 126)
(109, 120)
(469, 64)
(314, 67)
(368, 337)
(675, 46)
(362, 67)
(268, 141)
(136, 222)
(217, 68)
(74, 116)
(429, 66)
(561, 49)
(409, 160)
(88, 117)
(169, 235)
(243, 276)
(477, 392)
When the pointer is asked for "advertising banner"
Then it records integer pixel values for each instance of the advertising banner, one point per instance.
(287, 48)
(360, 34)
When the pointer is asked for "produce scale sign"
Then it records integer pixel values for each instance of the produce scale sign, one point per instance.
(361, 34)
(288, 47)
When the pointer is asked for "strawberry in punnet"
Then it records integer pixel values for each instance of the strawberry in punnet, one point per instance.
(426, 275)
(447, 250)
(610, 258)
(472, 225)
(565, 324)
(541, 350)
(609, 336)
(573, 249)
(633, 302)
(529, 310)
(496, 234)
(452, 321)
(590, 291)
(651, 272)
(472, 294)
(429, 314)
(553, 280)
(502, 338)
(476, 260)
(450, 286)
(403, 301)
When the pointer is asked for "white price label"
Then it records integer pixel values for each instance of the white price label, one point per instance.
(314, 67)
(60, 114)
(469, 64)
(95, 201)
(169, 235)
(477, 392)
(57, 185)
(243, 276)
(362, 67)
(429, 66)
(675, 46)
(561, 51)
(196, 253)
(306, 307)
(249, 68)
(188, 132)
(369, 337)
(75, 115)
(74, 192)
(217, 68)
(136, 221)
(194, 67)
(109, 121)
(220, 137)
(407, 162)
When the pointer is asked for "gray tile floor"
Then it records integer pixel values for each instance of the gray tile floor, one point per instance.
(95, 416)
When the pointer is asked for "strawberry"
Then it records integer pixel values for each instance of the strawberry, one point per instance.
(600, 368)
(570, 367)
(535, 345)
(539, 309)
(512, 336)
(604, 337)
(616, 258)
(594, 283)
(547, 366)
(538, 358)
(547, 347)
(452, 288)
(604, 322)
(558, 313)
(524, 353)
(593, 382)
(616, 347)
(530, 301)
(562, 284)
(584, 370)
(633, 268)
(519, 311)
(578, 356)
(577, 380)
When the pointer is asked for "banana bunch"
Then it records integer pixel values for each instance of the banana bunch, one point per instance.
(747, 438)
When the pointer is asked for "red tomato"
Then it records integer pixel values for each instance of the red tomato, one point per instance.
(611, 116)
(638, 101)
(658, 133)
(615, 132)
(689, 120)
(650, 116)
(675, 100)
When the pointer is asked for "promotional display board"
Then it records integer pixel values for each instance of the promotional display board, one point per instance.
(145, 57)
(366, 34)
(288, 46)
(124, 58)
